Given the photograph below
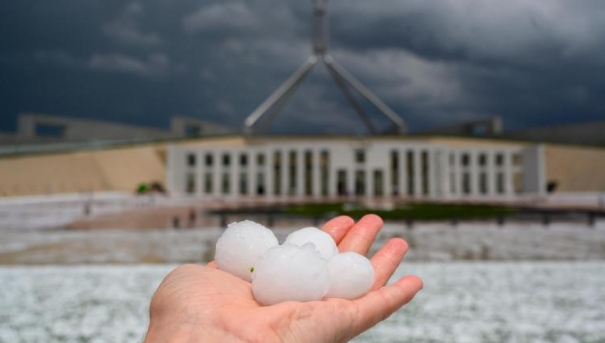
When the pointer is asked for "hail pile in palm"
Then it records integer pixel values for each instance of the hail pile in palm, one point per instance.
(306, 267)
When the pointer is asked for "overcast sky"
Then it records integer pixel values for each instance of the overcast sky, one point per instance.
(533, 62)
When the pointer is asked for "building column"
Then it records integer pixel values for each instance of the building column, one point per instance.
(387, 175)
(252, 171)
(533, 170)
(300, 172)
(332, 178)
(458, 173)
(417, 172)
(444, 172)
(218, 174)
(316, 172)
(508, 173)
(234, 172)
(369, 180)
(269, 173)
(199, 173)
(432, 171)
(473, 165)
(285, 173)
(351, 176)
(491, 173)
(289, 176)
(403, 173)
(172, 169)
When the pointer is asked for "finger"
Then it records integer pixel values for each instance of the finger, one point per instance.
(338, 227)
(211, 264)
(361, 236)
(378, 305)
(386, 261)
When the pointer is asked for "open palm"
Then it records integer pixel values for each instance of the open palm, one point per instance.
(203, 304)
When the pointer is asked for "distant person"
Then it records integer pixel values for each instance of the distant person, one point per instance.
(176, 222)
(201, 304)
(192, 217)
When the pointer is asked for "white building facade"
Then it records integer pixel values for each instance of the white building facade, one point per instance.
(374, 168)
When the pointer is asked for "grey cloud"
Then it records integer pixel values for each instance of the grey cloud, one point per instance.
(124, 29)
(155, 64)
(235, 16)
(434, 62)
(517, 32)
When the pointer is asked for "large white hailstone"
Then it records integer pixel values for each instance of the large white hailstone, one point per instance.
(351, 275)
(290, 273)
(241, 245)
(324, 243)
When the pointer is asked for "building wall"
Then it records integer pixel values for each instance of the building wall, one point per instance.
(357, 167)
(107, 170)
(117, 169)
(575, 169)
(85, 130)
(589, 133)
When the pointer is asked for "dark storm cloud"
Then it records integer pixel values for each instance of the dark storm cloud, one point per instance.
(533, 62)
(434, 62)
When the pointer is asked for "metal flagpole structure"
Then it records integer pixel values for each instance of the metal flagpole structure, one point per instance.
(271, 106)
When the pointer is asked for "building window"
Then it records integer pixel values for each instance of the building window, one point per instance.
(191, 160)
(192, 130)
(500, 187)
(453, 185)
(208, 183)
(292, 172)
(466, 183)
(360, 182)
(260, 159)
(226, 160)
(260, 184)
(465, 159)
(395, 172)
(482, 159)
(243, 160)
(190, 184)
(49, 130)
(425, 172)
(517, 159)
(360, 156)
(341, 182)
(308, 172)
(243, 183)
(518, 183)
(324, 167)
(410, 171)
(226, 186)
(483, 183)
(277, 172)
(499, 159)
(209, 160)
(378, 183)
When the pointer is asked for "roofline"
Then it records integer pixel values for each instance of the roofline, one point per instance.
(60, 148)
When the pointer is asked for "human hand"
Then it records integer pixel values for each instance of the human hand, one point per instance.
(198, 304)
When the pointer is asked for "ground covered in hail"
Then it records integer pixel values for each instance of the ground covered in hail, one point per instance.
(461, 302)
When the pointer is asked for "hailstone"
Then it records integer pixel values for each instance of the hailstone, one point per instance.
(241, 245)
(324, 243)
(288, 272)
(351, 275)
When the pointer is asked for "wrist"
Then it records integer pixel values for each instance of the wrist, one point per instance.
(179, 332)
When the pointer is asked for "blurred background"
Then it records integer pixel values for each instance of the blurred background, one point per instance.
(132, 133)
